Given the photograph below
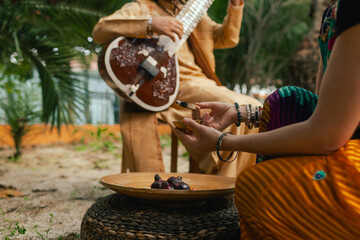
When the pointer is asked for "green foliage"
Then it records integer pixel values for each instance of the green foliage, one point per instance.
(51, 217)
(271, 32)
(29, 43)
(100, 139)
(44, 236)
(43, 37)
(14, 231)
(165, 140)
(19, 104)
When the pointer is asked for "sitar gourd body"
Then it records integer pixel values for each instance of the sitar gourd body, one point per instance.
(145, 71)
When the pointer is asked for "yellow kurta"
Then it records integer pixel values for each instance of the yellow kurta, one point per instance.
(141, 149)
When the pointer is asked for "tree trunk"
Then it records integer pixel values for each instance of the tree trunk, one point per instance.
(18, 135)
(304, 64)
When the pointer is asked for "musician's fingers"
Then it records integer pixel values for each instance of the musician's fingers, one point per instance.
(170, 34)
(179, 27)
(177, 24)
(178, 32)
(178, 21)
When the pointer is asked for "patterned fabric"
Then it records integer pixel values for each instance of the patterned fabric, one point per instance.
(302, 197)
(288, 105)
(328, 32)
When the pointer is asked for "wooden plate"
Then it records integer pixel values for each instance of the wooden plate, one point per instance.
(138, 185)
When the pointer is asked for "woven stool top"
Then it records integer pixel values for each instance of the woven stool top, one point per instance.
(118, 216)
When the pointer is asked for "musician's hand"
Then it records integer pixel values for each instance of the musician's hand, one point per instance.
(167, 25)
(221, 116)
(201, 138)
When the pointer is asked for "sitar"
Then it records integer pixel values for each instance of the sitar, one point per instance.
(145, 71)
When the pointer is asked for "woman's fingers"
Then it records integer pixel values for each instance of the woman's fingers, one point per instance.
(207, 120)
(200, 138)
(181, 134)
(211, 120)
(186, 139)
(205, 105)
(205, 117)
(196, 114)
(190, 123)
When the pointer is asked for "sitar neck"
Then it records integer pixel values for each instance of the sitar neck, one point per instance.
(189, 16)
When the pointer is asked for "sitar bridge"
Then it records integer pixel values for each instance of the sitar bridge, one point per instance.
(149, 64)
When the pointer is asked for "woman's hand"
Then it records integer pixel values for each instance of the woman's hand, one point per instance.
(236, 2)
(221, 116)
(201, 139)
(167, 25)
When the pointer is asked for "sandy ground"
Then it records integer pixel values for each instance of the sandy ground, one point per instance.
(58, 184)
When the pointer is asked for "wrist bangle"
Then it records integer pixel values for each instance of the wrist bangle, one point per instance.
(149, 27)
(238, 114)
(257, 120)
(218, 146)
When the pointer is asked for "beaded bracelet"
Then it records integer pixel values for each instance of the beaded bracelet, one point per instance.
(238, 114)
(252, 117)
(218, 146)
(249, 124)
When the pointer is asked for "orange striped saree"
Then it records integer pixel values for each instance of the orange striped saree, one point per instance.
(299, 197)
(305, 197)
